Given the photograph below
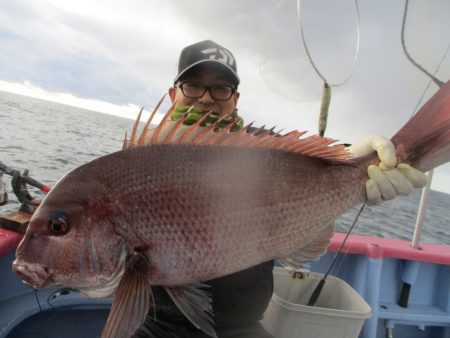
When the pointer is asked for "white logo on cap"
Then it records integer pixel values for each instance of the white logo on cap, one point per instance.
(219, 54)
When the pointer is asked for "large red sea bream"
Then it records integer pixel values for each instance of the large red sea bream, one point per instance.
(188, 204)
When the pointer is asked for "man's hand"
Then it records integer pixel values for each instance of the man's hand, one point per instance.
(387, 180)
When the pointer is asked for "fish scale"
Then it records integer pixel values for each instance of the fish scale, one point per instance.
(220, 213)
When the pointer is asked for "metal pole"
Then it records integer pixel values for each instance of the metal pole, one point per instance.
(421, 213)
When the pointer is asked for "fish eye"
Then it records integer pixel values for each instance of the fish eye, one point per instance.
(58, 226)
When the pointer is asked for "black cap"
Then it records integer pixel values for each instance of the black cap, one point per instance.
(207, 51)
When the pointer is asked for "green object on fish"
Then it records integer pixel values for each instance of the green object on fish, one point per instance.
(192, 115)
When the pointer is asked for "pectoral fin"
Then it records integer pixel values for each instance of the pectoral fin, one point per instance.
(196, 304)
(131, 300)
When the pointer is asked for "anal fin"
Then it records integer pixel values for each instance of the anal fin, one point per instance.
(196, 304)
(131, 300)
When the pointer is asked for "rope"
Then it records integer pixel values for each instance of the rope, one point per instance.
(430, 81)
(309, 55)
(438, 82)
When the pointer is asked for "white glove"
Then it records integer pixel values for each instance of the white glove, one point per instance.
(386, 180)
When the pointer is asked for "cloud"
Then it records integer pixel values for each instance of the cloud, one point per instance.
(129, 111)
(90, 57)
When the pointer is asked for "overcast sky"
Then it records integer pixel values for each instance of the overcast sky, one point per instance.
(115, 56)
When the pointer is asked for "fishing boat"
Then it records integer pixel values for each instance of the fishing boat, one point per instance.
(382, 288)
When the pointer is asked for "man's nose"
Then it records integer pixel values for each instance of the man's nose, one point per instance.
(206, 97)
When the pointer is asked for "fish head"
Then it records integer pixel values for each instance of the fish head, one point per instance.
(70, 240)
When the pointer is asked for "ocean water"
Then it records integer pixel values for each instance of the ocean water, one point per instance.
(51, 139)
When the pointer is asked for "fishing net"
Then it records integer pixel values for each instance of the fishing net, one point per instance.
(426, 43)
(331, 40)
(426, 36)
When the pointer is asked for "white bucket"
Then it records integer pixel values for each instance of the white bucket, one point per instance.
(339, 312)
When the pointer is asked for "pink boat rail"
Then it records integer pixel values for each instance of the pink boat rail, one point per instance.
(8, 241)
(377, 247)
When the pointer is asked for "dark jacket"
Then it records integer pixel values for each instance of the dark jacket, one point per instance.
(239, 302)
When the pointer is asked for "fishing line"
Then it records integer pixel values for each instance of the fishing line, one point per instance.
(430, 81)
(37, 299)
(316, 293)
(326, 91)
(153, 302)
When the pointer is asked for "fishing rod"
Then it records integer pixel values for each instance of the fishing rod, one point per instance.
(316, 293)
(19, 184)
(15, 174)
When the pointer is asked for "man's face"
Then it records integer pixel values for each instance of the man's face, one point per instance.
(208, 76)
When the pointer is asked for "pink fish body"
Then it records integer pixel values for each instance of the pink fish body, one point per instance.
(189, 204)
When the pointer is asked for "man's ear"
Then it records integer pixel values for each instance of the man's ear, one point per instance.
(172, 93)
(236, 98)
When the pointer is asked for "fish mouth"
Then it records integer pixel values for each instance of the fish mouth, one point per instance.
(33, 274)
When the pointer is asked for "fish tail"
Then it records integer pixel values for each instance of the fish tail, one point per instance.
(424, 142)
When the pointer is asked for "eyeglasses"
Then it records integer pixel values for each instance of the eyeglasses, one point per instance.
(195, 90)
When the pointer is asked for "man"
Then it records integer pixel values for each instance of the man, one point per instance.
(207, 79)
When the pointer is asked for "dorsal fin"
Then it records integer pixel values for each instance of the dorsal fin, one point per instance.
(169, 131)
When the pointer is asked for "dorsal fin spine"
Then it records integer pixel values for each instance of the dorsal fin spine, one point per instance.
(201, 135)
(262, 138)
(233, 137)
(316, 143)
(225, 134)
(179, 122)
(171, 134)
(295, 138)
(149, 121)
(162, 124)
(125, 141)
(192, 129)
(272, 140)
(258, 140)
(249, 137)
(219, 133)
(277, 140)
(243, 134)
(135, 126)
(285, 140)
